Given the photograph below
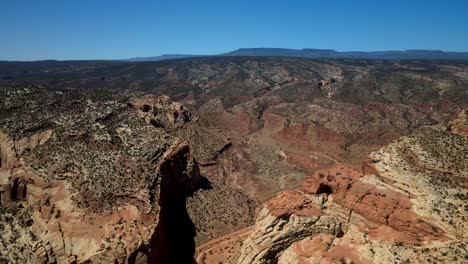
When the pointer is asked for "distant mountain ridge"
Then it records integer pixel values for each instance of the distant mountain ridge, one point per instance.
(326, 54)
(163, 57)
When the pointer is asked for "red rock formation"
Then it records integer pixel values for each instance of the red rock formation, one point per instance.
(322, 249)
(214, 115)
(296, 136)
(387, 212)
(380, 206)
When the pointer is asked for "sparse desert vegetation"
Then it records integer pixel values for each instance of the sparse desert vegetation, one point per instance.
(82, 145)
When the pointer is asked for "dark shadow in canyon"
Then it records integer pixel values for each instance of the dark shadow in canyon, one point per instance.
(203, 184)
(174, 238)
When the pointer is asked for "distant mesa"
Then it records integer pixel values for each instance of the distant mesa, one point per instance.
(413, 54)
(163, 57)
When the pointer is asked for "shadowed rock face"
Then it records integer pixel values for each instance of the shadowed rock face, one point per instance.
(87, 188)
(174, 237)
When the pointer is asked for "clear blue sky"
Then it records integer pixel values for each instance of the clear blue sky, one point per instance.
(99, 29)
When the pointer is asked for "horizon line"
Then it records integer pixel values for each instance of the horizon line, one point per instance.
(238, 49)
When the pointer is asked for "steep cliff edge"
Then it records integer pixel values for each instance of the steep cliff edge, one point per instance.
(406, 205)
(92, 182)
(174, 238)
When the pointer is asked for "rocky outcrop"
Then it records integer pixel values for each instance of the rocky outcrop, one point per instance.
(174, 238)
(179, 171)
(459, 125)
(392, 212)
(288, 218)
(7, 150)
(322, 248)
(11, 149)
(14, 189)
(160, 111)
(98, 188)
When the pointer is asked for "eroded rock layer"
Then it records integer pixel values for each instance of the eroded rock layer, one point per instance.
(406, 205)
(83, 184)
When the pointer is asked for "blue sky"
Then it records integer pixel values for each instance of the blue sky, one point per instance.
(98, 29)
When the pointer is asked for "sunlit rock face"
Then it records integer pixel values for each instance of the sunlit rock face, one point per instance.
(85, 187)
(405, 205)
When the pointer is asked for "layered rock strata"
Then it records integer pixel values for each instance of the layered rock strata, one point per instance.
(91, 188)
(406, 205)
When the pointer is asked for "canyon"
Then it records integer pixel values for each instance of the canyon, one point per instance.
(234, 160)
